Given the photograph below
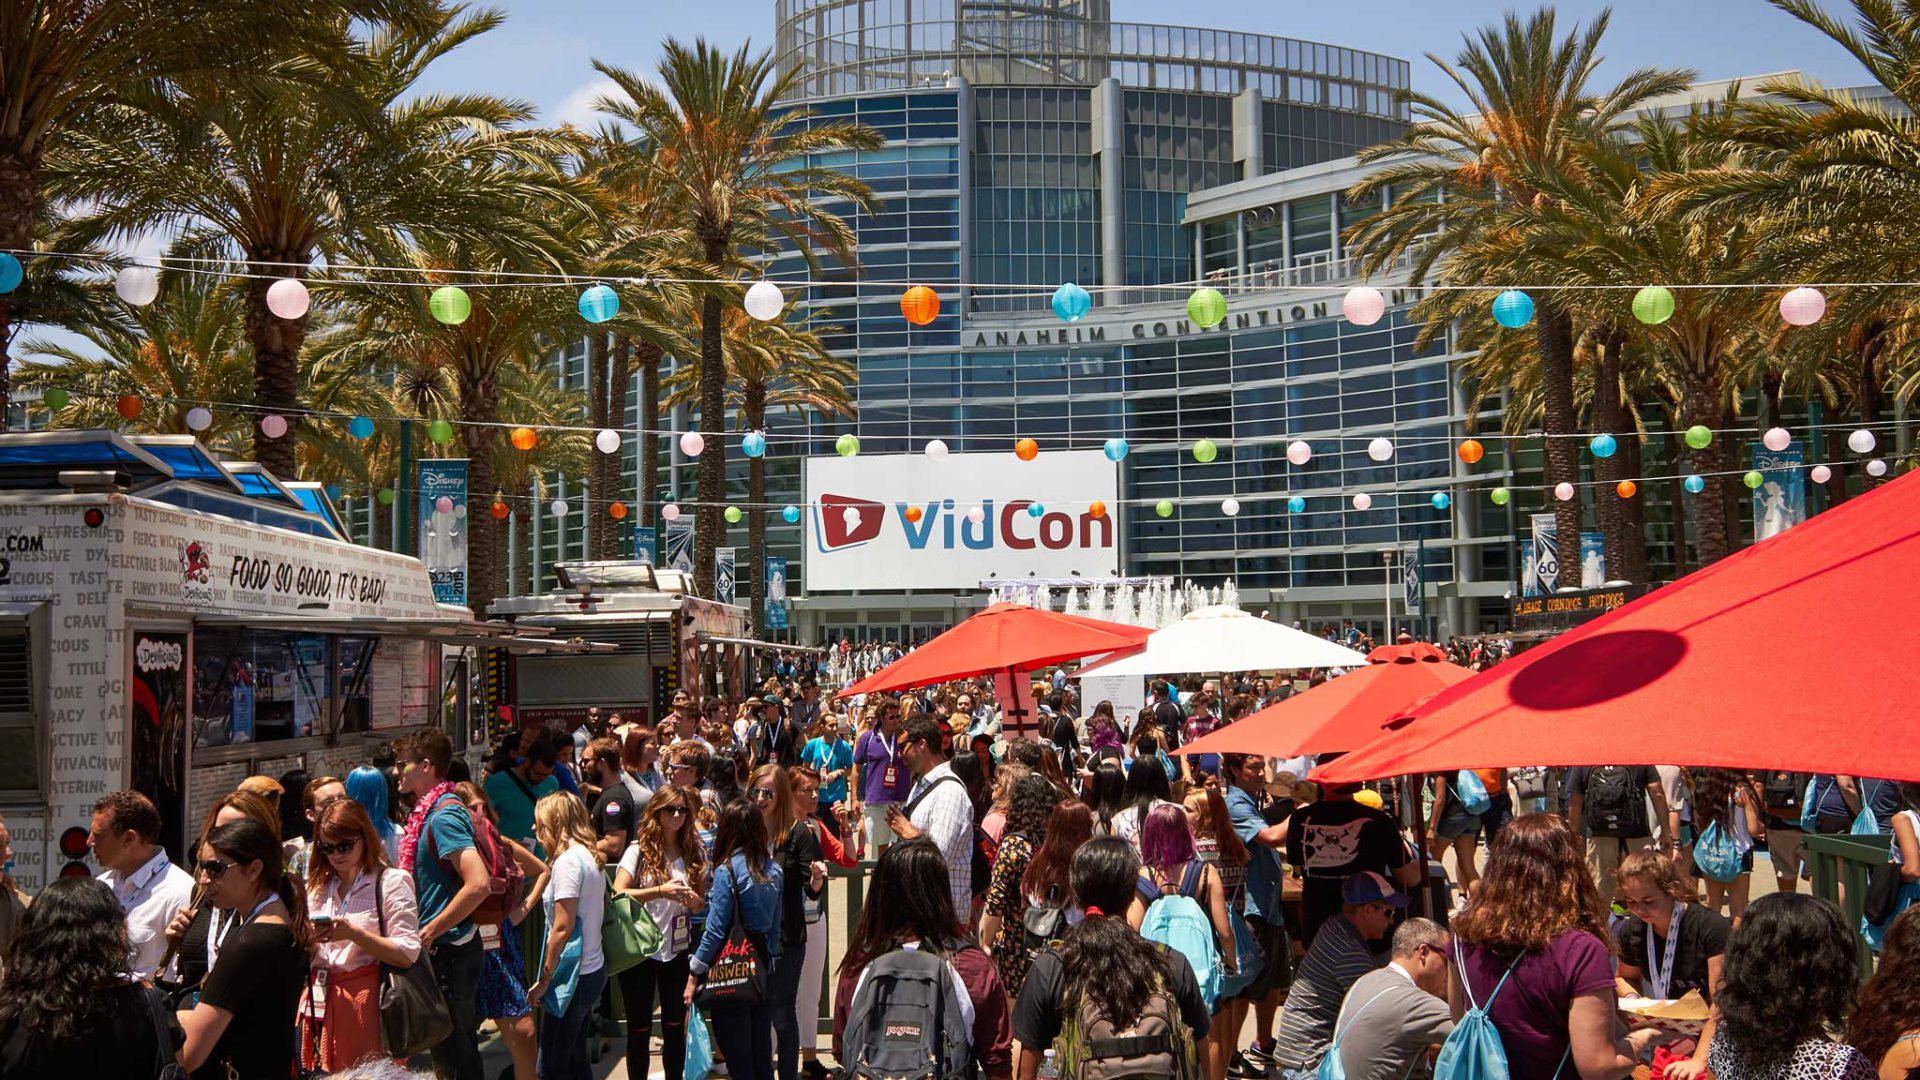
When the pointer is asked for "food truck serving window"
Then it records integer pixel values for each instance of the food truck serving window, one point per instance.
(19, 747)
(257, 686)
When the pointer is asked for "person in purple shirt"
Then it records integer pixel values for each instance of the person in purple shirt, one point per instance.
(1537, 921)
(880, 777)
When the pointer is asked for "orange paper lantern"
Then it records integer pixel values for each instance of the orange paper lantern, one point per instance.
(524, 438)
(1026, 449)
(1098, 509)
(618, 510)
(1471, 451)
(920, 305)
(500, 511)
(1627, 489)
(913, 514)
(128, 405)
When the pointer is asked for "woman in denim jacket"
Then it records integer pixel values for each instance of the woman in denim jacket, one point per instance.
(747, 885)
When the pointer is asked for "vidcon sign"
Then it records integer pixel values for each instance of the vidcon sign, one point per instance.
(879, 547)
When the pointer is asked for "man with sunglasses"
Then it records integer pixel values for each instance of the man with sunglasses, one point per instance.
(1391, 1016)
(1339, 957)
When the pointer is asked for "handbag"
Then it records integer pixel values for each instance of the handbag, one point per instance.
(413, 1013)
(628, 933)
(739, 974)
(166, 1066)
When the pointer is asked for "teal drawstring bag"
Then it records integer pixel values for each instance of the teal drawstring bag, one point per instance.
(699, 1047)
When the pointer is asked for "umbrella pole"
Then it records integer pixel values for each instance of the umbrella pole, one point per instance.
(1411, 786)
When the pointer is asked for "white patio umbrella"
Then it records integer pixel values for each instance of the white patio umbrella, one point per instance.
(1217, 639)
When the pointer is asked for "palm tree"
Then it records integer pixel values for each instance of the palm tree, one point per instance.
(1457, 177)
(771, 365)
(276, 175)
(739, 166)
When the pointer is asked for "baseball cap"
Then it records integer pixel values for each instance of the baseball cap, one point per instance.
(1368, 887)
(1368, 797)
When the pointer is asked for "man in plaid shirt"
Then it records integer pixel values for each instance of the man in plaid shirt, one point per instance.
(938, 808)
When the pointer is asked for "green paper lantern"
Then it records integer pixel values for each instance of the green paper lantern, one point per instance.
(1753, 479)
(385, 496)
(1204, 451)
(1206, 307)
(1500, 496)
(450, 304)
(440, 431)
(1653, 305)
(1164, 508)
(732, 515)
(55, 398)
(1699, 436)
(847, 445)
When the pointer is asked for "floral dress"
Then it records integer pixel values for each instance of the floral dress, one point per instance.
(1006, 900)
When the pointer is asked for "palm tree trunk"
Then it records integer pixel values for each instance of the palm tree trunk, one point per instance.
(480, 408)
(1700, 404)
(707, 528)
(1626, 547)
(598, 486)
(1677, 498)
(754, 398)
(1635, 510)
(650, 355)
(19, 196)
(619, 374)
(1866, 395)
(276, 362)
(1553, 332)
(1734, 498)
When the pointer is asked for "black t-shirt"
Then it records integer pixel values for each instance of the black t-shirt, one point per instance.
(1703, 936)
(1330, 841)
(1066, 738)
(614, 812)
(122, 1042)
(1170, 720)
(258, 979)
(1041, 1010)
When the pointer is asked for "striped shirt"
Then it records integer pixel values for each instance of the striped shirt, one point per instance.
(1337, 960)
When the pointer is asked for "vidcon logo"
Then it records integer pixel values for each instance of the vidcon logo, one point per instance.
(836, 532)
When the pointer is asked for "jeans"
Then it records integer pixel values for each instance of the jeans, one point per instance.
(784, 988)
(563, 1038)
(637, 987)
(744, 1035)
(457, 968)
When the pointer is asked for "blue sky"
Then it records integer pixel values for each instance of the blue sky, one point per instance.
(542, 54)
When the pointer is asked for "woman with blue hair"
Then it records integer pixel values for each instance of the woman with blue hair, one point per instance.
(367, 786)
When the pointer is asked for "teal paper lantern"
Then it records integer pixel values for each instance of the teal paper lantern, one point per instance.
(753, 444)
(1071, 302)
(1753, 479)
(450, 304)
(55, 398)
(1500, 496)
(1653, 305)
(1699, 436)
(1035, 509)
(1513, 309)
(440, 431)
(1694, 484)
(1164, 508)
(732, 515)
(1441, 500)
(1206, 307)
(790, 515)
(847, 445)
(1204, 451)
(599, 303)
(360, 427)
(1296, 505)
(1603, 446)
(1116, 449)
(11, 273)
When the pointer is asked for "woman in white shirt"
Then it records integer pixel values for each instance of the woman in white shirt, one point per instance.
(363, 914)
(572, 967)
(664, 868)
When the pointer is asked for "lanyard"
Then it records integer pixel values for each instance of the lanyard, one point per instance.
(217, 937)
(1662, 978)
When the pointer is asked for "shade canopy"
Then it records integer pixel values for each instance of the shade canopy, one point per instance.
(1004, 637)
(1340, 714)
(1217, 639)
(1797, 653)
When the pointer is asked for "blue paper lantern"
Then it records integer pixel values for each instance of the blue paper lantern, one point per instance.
(1694, 484)
(360, 427)
(1071, 302)
(1296, 505)
(1603, 446)
(753, 444)
(1513, 309)
(1035, 509)
(11, 273)
(599, 303)
(1116, 449)
(1441, 500)
(790, 515)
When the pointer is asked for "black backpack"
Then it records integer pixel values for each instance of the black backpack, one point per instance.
(1044, 925)
(905, 1021)
(1615, 805)
(1783, 791)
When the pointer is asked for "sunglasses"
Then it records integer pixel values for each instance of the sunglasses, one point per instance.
(214, 869)
(678, 765)
(762, 795)
(341, 848)
(674, 811)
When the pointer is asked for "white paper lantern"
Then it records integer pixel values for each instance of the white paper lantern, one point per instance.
(1777, 439)
(1861, 441)
(1299, 452)
(273, 425)
(671, 511)
(1363, 306)
(1363, 501)
(851, 517)
(976, 515)
(1820, 474)
(199, 419)
(764, 301)
(1803, 306)
(288, 299)
(1230, 507)
(1877, 467)
(936, 450)
(692, 443)
(607, 441)
(1563, 491)
(558, 508)
(1380, 449)
(136, 286)
(443, 505)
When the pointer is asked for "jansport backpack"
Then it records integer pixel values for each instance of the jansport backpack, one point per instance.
(905, 1022)
(1614, 806)
(1783, 791)
(1158, 1044)
(1178, 922)
(1474, 1050)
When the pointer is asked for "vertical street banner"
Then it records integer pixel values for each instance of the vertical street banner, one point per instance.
(1542, 567)
(679, 555)
(776, 606)
(645, 539)
(1780, 502)
(1593, 560)
(443, 535)
(1410, 580)
(723, 580)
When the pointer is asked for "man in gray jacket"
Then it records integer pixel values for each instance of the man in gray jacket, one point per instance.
(1393, 1016)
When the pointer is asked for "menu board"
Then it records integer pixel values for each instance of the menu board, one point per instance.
(400, 686)
(417, 693)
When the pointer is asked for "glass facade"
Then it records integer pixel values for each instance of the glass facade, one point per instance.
(1036, 201)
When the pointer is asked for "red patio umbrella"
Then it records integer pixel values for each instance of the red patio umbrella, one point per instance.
(1340, 714)
(1797, 653)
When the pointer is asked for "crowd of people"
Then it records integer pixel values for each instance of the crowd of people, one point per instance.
(1067, 897)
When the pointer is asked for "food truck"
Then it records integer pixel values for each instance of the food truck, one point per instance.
(174, 623)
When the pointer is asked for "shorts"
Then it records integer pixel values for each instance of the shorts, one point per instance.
(878, 831)
(1458, 823)
(1787, 846)
(1496, 816)
(1277, 950)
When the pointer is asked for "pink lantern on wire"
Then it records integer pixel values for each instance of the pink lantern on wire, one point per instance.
(1803, 306)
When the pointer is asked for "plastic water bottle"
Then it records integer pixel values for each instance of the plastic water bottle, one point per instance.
(1047, 1067)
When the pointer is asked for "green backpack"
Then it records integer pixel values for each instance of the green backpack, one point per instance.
(1159, 1044)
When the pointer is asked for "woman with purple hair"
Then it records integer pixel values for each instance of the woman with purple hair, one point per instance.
(1170, 864)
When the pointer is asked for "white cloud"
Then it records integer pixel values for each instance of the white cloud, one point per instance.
(577, 108)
